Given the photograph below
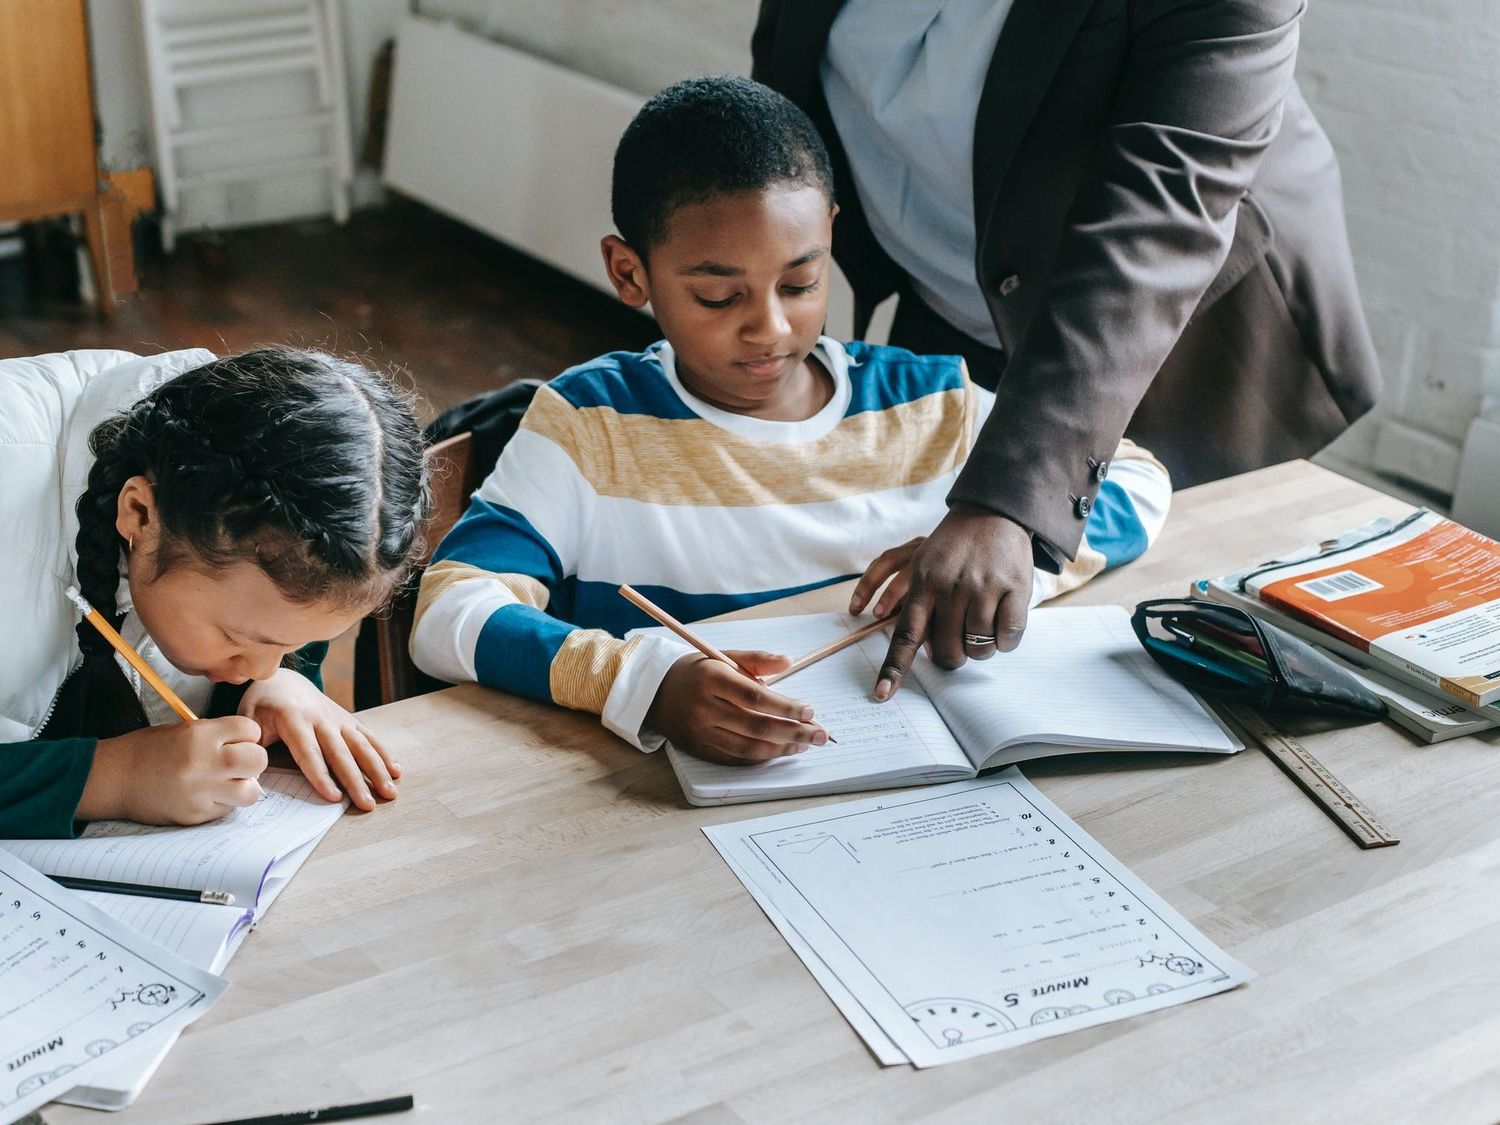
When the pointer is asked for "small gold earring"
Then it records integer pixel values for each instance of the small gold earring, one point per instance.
(130, 543)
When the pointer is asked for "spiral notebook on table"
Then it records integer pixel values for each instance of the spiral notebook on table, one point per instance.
(1079, 682)
(252, 853)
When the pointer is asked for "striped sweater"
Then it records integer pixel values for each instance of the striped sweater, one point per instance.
(619, 474)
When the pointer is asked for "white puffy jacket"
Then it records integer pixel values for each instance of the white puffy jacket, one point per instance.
(49, 404)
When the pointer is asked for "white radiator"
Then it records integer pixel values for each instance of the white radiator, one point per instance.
(516, 146)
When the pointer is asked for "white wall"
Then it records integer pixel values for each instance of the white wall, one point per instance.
(638, 45)
(1410, 95)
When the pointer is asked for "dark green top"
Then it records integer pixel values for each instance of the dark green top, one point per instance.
(41, 783)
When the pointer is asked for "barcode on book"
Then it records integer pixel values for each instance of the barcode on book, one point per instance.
(1344, 584)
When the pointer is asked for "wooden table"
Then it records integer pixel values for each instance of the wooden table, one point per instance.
(538, 929)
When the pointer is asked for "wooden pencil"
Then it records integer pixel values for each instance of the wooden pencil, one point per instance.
(122, 646)
(654, 611)
(832, 647)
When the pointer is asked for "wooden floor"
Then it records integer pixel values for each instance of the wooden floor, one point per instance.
(400, 287)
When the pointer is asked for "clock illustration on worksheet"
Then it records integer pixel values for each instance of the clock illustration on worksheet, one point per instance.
(948, 1021)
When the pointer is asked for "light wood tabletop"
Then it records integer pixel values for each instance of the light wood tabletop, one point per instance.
(537, 928)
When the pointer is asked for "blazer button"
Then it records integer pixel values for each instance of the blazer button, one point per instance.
(1010, 285)
(1101, 469)
(1082, 506)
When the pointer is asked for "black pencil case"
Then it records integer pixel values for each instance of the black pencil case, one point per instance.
(1225, 653)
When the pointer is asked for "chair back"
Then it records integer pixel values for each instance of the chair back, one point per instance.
(454, 475)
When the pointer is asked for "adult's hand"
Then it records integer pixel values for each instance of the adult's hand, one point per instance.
(971, 576)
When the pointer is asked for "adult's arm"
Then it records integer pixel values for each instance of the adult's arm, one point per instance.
(1198, 103)
(1196, 107)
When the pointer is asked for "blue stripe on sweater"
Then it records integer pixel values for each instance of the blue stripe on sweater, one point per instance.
(633, 383)
(625, 382)
(1114, 529)
(502, 541)
(515, 650)
(881, 377)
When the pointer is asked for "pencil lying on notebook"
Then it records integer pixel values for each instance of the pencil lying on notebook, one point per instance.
(832, 647)
(143, 890)
(133, 658)
(656, 613)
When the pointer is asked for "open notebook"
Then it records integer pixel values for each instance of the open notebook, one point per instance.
(1079, 681)
(251, 853)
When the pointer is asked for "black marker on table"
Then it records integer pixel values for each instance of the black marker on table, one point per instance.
(179, 894)
(332, 1113)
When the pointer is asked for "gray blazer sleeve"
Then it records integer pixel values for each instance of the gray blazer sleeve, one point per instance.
(1198, 103)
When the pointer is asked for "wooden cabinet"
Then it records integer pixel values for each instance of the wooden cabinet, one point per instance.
(48, 156)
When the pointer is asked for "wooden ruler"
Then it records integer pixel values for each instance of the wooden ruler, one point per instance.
(1347, 811)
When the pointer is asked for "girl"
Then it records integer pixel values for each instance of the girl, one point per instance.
(223, 514)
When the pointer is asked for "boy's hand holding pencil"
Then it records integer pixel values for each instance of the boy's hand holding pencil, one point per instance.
(719, 713)
(717, 706)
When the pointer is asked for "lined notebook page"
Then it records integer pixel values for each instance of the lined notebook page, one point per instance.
(200, 932)
(233, 854)
(904, 736)
(1079, 678)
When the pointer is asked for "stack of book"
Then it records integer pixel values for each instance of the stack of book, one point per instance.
(1411, 607)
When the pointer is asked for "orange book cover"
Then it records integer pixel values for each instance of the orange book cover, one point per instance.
(1425, 596)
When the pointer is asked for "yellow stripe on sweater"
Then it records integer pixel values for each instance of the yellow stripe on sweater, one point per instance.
(1127, 450)
(692, 462)
(1088, 565)
(585, 668)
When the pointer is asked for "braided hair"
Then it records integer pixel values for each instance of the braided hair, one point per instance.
(307, 465)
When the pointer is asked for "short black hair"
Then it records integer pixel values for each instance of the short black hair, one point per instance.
(707, 137)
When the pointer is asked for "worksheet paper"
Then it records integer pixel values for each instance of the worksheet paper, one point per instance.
(75, 987)
(969, 918)
(204, 935)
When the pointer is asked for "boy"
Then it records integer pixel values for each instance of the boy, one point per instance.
(742, 459)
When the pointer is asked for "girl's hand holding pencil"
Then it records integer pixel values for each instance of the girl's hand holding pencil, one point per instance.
(177, 773)
(183, 773)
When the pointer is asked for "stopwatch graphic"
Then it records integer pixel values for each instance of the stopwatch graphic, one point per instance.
(948, 1021)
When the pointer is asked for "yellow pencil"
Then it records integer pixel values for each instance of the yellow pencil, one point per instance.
(122, 646)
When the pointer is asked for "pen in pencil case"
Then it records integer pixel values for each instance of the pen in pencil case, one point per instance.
(180, 894)
(133, 658)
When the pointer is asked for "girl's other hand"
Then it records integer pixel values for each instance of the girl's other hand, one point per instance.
(332, 747)
(183, 773)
